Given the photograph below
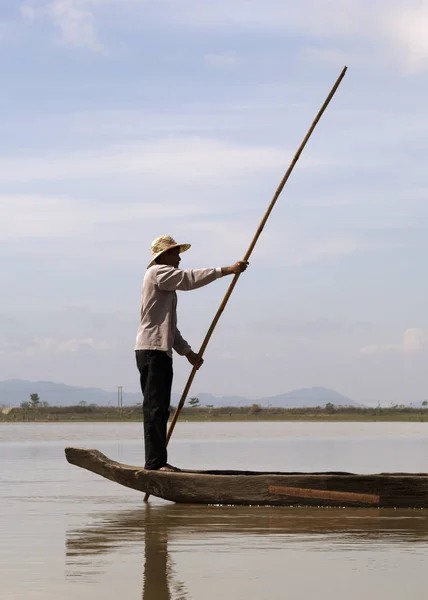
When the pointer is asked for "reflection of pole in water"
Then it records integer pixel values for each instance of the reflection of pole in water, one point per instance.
(155, 581)
(85, 547)
(158, 571)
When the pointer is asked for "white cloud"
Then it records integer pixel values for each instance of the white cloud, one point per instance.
(72, 17)
(57, 222)
(292, 243)
(407, 27)
(50, 345)
(44, 216)
(166, 163)
(395, 29)
(28, 12)
(75, 24)
(340, 16)
(415, 340)
(192, 159)
(74, 344)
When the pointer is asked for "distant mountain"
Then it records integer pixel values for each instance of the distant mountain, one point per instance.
(15, 391)
(310, 397)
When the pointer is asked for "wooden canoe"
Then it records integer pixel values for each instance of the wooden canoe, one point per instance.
(387, 490)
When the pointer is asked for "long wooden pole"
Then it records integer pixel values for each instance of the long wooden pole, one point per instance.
(248, 254)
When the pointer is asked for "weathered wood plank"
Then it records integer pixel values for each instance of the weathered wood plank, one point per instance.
(304, 493)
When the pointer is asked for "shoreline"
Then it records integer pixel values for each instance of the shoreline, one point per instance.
(416, 416)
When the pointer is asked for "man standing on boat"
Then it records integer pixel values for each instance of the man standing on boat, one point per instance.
(158, 336)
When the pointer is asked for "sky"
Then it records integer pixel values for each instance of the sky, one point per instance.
(122, 120)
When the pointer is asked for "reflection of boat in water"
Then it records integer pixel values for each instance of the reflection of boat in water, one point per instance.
(124, 526)
(387, 490)
(160, 528)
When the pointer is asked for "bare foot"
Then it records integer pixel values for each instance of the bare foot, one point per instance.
(169, 468)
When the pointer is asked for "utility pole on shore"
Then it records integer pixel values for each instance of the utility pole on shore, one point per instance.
(119, 397)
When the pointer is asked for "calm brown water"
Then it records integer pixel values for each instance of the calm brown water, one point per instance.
(66, 533)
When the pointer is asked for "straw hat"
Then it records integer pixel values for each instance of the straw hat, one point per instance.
(162, 244)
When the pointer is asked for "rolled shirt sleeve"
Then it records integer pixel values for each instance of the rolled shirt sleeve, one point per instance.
(170, 279)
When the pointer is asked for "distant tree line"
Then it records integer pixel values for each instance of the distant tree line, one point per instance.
(36, 409)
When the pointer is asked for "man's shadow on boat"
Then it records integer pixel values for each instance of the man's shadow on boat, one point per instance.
(153, 527)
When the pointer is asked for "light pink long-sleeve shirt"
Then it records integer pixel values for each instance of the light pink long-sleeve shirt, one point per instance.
(158, 322)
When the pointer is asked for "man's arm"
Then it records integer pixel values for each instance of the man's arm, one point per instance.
(180, 345)
(170, 279)
(183, 348)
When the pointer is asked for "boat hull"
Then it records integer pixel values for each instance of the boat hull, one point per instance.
(388, 490)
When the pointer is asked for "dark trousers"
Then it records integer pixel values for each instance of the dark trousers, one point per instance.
(155, 369)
